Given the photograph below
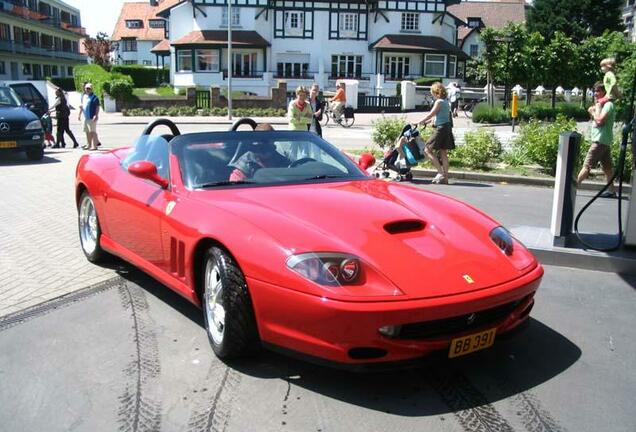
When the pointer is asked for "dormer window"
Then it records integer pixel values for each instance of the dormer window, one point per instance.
(410, 22)
(474, 22)
(134, 24)
(157, 23)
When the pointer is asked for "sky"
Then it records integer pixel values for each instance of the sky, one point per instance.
(98, 15)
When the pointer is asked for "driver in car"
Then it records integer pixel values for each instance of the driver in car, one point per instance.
(261, 155)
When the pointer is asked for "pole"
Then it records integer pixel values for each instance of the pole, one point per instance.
(514, 109)
(229, 59)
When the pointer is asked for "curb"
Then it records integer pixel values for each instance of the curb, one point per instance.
(585, 259)
(502, 178)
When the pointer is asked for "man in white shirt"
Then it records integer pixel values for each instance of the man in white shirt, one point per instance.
(453, 91)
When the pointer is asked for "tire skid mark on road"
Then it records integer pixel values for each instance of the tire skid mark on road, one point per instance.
(138, 411)
(533, 416)
(47, 307)
(212, 413)
(471, 408)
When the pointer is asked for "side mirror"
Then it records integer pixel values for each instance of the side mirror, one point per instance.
(147, 171)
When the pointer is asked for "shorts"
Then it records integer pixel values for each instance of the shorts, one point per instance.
(598, 153)
(90, 126)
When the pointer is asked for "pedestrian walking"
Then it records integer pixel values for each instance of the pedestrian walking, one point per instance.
(317, 106)
(453, 91)
(299, 112)
(90, 110)
(442, 139)
(602, 137)
(62, 113)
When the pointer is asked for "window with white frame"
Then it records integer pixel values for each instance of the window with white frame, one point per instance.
(348, 24)
(435, 65)
(55, 71)
(147, 63)
(292, 70)
(130, 62)
(474, 22)
(184, 60)
(346, 66)
(410, 21)
(474, 50)
(236, 17)
(157, 23)
(207, 60)
(397, 67)
(134, 24)
(452, 66)
(294, 22)
(129, 45)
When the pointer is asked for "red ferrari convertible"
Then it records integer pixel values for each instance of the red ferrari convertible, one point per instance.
(285, 243)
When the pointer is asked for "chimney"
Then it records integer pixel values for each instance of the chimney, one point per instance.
(154, 3)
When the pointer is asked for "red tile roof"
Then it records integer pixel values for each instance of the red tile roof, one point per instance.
(494, 13)
(161, 47)
(138, 11)
(166, 5)
(416, 43)
(219, 38)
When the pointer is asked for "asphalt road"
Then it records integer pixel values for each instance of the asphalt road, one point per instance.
(130, 355)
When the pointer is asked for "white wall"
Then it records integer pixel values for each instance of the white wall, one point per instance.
(472, 39)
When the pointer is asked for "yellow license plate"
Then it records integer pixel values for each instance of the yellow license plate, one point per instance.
(471, 343)
(8, 144)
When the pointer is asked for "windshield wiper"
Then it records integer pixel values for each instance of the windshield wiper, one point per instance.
(225, 183)
(324, 176)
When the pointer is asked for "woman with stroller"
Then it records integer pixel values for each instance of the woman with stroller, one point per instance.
(442, 139)
(62, 113)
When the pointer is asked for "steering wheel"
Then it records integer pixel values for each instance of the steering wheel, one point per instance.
(243, 121)
(162, 122)
(301, 161)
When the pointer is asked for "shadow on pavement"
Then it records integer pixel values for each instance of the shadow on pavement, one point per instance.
(452, 183)
(15, 159)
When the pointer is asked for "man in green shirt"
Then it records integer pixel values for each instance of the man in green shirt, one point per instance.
(602, 136)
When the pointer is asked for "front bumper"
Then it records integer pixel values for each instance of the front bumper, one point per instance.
(338, 331)
(25, 142)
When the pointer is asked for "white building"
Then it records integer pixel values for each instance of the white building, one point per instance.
(376, 42)
(137, 32)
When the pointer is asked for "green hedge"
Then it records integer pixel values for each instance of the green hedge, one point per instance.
(94, 74)
(66, 84)
(483, 113)
(427, 81)
(143, 77)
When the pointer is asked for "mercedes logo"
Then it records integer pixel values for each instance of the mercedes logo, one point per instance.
(4, 127)
(471, 318)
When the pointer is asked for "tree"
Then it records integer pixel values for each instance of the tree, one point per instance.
(99, 49)
(559, 64)
(491, 57)
(577, 19)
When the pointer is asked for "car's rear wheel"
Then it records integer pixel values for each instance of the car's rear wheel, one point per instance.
(227, 307)
(35, 154)
(89, 229)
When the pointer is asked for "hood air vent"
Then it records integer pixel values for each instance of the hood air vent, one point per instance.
(404, 226)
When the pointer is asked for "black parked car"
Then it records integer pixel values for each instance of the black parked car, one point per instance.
(20, 129)
(31, 97)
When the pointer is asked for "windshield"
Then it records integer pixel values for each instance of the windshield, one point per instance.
(8, 97)
(216, 159)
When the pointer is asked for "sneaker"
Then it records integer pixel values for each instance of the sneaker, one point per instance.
(608, 194)
(443, 180)
(437, 179)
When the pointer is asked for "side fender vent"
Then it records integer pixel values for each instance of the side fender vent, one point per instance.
(404, 226)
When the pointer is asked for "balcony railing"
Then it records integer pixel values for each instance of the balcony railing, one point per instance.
(250, 75)
(10, 7)
(21, 48)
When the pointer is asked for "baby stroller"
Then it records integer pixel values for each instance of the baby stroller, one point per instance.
(392, 163)
(47, 125)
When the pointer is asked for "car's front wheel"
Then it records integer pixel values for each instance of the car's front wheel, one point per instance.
(89, 229)
(227, 307)
(35, 154)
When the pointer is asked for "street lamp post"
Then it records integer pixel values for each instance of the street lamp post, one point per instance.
(229, 59)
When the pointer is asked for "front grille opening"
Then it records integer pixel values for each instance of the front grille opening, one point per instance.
(404, 226)
(451, 326)
(366, 353)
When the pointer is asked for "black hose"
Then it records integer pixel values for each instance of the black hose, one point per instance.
(617, 174)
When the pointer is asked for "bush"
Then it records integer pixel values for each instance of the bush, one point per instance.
(484, 113)
(540, 141)
(94, 74)
(142, 76)
(386, 130)
(426, 81)
(66, 84)
(120, 89)
(480, 147)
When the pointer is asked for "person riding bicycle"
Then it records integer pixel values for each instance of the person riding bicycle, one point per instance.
(338, 101)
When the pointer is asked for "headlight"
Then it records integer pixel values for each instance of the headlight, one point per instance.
(503, 240)
(34, 125)
(331, 269)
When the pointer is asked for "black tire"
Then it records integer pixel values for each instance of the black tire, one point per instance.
(237, 335)
(409, 176)
(94, 253)
(325, 117)
(347, 122)
(35, 154)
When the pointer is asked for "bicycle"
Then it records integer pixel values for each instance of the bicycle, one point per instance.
(342, 120)
(467, 106)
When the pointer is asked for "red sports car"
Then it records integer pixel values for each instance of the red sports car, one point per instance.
(285, 242)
